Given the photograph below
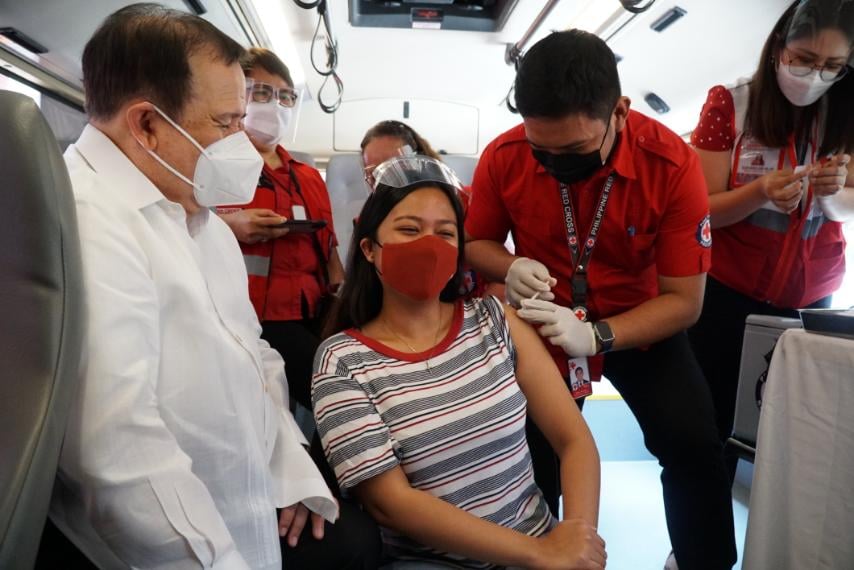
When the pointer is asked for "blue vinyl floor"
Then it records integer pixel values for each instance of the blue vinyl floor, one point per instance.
(631, 515)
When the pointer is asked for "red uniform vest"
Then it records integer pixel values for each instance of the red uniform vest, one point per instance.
(286, 275)
(788, 260)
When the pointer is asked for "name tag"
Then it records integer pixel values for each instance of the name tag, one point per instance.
(754, 162)
(298, 212)
(579, 378)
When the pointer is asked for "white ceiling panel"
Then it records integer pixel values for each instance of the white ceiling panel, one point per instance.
(717, 41)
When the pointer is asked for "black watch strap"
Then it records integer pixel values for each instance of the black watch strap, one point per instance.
(604, 336)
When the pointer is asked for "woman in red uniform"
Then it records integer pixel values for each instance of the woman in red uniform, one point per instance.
(775, 152)
(291, 272)
(386, 140)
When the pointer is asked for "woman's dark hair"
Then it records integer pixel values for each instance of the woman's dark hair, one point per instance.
(143, 50)
(266, 60)
(403, 132)
(566, 73)
(770, 117)
(362, 293)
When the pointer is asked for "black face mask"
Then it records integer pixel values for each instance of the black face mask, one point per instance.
(572, 167)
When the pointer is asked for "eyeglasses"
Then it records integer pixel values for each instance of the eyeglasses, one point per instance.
(258, 92)
(368, 170)
(368, 175)
(801, 67)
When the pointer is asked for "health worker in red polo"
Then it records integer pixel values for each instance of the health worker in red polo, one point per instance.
(776, 151)
(292, 270)
(609, 215)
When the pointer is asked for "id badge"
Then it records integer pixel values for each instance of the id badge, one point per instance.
(579, 378)
(754, 161)
(298, 212)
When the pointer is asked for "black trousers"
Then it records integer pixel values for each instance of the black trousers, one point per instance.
(717, 340)
(352, 543)
(665, 390)
(296, 341)
(56, 551)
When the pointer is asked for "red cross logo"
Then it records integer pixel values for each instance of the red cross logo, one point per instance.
(704, 232)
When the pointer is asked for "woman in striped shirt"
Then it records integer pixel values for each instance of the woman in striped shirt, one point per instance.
(420, 398)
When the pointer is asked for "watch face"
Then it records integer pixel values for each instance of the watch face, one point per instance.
(603, 332)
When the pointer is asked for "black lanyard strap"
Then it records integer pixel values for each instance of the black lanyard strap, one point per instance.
(322, 258)
(580, 256)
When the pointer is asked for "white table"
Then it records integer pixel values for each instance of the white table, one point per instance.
(802, 498)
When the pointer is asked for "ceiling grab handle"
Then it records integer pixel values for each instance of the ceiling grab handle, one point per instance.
(513, 53)
(308, 5)
(632, 6)
(331, 55)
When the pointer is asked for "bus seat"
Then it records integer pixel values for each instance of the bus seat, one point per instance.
(462, 165)
(347, 193)
(42, 331)
(303, 157)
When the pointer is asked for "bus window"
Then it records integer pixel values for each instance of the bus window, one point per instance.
(11, 84)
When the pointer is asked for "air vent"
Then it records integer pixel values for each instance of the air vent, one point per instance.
(656, 103)
(666, 20)
(23, 40)
(466, 15)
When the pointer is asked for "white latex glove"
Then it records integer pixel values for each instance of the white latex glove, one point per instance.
(560, 326)
(525, 278)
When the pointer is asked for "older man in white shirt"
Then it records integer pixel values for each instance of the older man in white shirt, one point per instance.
(181, 445)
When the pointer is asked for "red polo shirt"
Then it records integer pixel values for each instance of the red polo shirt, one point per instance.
(289, 273)
(656, 221)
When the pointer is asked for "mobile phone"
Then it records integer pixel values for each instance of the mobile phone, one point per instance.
(302, 226)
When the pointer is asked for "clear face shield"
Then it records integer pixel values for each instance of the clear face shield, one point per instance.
(819, 40)
(368, 169)
(403, 171)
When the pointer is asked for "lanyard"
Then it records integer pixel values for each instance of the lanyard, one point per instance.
(581, 259)
(798, 156)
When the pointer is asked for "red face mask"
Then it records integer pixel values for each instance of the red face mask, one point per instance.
(419, 269)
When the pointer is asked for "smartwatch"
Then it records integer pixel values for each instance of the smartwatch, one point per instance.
(604, 336)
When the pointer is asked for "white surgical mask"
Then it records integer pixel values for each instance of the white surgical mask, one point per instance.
(226, 172)
(801, 91)
(267, 122)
